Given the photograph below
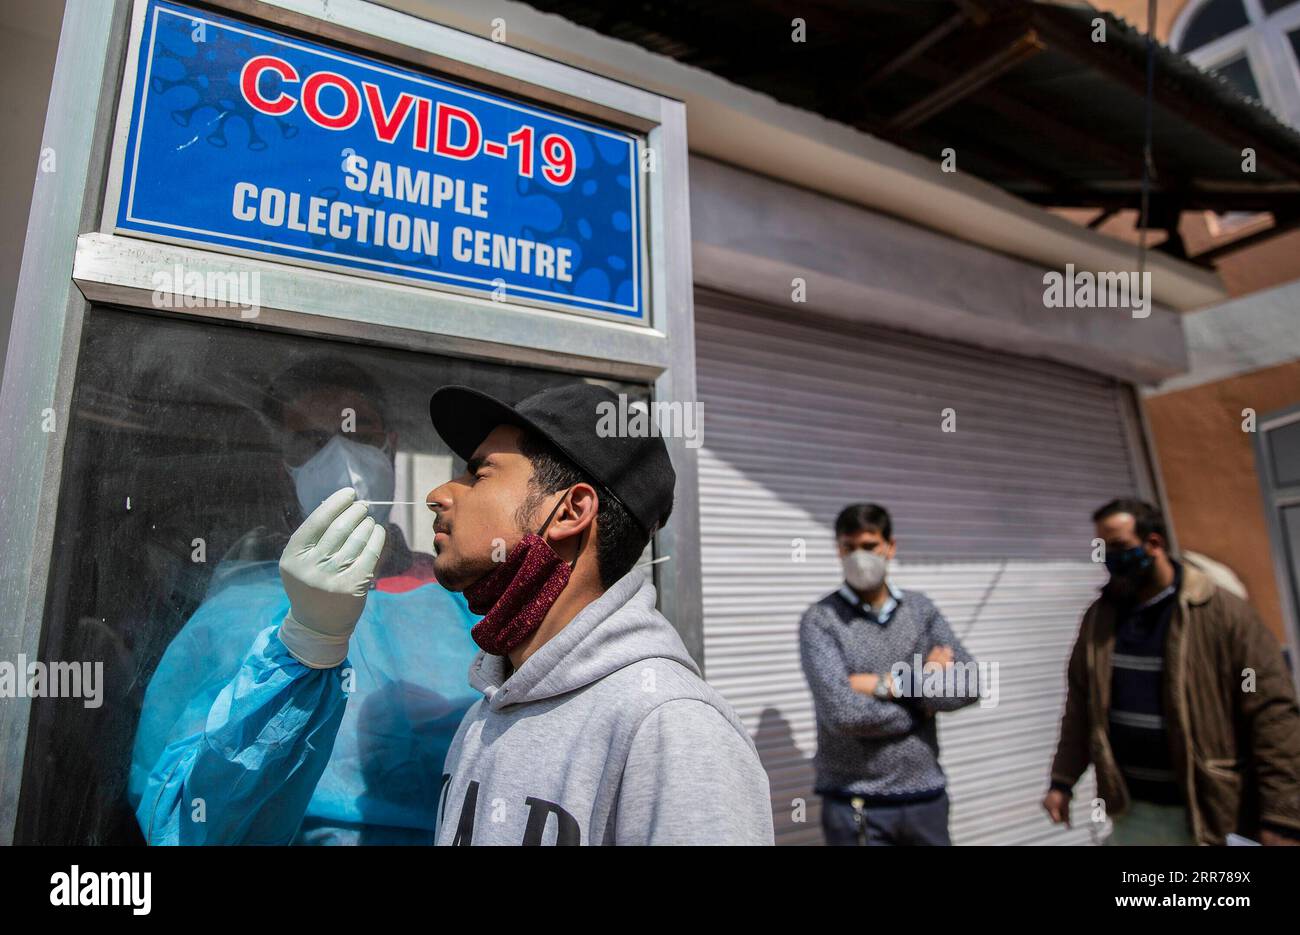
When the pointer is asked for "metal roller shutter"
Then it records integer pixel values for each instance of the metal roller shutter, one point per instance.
(992, 522)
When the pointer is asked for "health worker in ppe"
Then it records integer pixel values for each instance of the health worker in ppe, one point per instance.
(290, 708)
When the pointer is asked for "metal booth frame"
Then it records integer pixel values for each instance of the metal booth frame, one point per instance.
(73, 260)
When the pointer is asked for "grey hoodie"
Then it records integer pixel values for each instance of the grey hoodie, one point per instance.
(605, 735)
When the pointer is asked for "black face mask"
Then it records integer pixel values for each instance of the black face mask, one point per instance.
(1131, 565)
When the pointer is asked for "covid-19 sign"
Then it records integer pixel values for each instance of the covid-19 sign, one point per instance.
(257, 142)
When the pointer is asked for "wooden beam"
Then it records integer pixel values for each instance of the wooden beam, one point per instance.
(1020, 49)
(1014, 109)
(1279, 227)
(917, 48)
(1102, 217)
(1178, 198)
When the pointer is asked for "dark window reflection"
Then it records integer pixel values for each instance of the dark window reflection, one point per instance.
(1238, 74)
(1284, 442)
(1217, 18)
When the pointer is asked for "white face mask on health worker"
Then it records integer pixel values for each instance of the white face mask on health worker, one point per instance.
(345, 463)
(864, 570)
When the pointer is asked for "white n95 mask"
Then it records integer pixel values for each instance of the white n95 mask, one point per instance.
(863, 570)
(345, 463)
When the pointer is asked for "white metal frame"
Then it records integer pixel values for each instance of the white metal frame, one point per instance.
(70, 232)
(1264, 43)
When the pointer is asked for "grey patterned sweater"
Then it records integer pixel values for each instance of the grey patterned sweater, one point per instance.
(884, 750)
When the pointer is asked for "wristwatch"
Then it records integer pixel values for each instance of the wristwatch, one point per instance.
(884, 686)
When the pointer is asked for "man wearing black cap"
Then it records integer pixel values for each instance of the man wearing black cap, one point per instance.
(594, 726)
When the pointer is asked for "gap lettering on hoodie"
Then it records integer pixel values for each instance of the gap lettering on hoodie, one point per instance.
(465, 827)
(568, 832)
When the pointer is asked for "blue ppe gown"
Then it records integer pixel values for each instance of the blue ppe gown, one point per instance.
(239, 743)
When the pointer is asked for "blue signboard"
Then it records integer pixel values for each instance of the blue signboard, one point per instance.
(254, 141)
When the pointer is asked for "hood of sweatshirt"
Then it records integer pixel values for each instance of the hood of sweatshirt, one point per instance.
(618, 629)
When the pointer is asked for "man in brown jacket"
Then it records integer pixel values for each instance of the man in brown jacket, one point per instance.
(1179, 697)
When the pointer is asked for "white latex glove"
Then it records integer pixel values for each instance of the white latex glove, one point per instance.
(327, 568)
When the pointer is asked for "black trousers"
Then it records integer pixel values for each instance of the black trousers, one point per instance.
(909, 823)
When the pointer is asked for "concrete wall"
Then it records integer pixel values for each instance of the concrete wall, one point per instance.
(29, 38)
(1211, 478)
(753, 235)
(1237, 337)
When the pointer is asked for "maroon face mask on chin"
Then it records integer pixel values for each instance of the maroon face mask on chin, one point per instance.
(516, 595)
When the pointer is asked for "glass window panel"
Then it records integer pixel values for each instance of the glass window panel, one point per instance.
(1217, 18)
(1238, 74)
(180, 431)
(1290, 517)
(1284, 444)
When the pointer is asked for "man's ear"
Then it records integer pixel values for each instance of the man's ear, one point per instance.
(893, 547)
(578, 513)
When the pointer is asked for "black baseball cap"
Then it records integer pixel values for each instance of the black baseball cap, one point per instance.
(634, 468)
